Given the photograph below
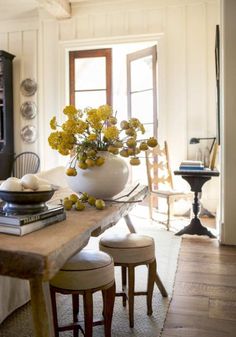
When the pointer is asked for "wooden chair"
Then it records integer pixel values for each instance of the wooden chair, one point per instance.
(25, 162)
(160, 180)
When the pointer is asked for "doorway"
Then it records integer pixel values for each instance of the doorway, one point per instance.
(121, 75)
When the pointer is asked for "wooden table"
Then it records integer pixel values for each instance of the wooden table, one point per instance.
(196, 179)
(38, 256)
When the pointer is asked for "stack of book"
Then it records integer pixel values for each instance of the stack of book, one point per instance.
(24, 224)
(195, 165)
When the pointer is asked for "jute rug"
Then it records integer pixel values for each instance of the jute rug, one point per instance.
(19, 324)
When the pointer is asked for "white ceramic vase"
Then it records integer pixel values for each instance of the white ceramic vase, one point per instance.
(102, 181)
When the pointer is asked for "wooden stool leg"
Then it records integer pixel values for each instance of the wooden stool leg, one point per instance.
(131, 295)
(124, 284)
(150, 285)
(75, 305)
(54, 311)
(108, 306)
(88, 313)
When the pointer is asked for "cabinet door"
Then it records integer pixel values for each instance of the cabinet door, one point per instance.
(6, 115)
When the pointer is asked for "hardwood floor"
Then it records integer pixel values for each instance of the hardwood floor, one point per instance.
(204, 298)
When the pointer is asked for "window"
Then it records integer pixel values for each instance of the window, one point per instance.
(142, 88)
(90, 77)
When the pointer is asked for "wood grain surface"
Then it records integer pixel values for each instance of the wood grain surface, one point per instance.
(204, 298)
(43, 252)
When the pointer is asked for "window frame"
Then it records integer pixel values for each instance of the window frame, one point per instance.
(150, 51)
(76, 54)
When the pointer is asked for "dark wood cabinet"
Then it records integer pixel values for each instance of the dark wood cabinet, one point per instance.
(6, 115)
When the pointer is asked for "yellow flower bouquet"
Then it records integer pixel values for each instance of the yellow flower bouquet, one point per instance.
(87, 132)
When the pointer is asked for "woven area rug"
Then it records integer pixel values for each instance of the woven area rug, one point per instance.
(19, 324)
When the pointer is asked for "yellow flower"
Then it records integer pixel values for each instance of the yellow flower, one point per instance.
(63, 151)
(134, 122)
(70, 126)
(111, 132)
(81, 126)
(70, 110)
(92, 137)
(142, 128)
(104, 112)
(53, 123)
(90, 111)
(60, 139)
(54, 139)
(95, 121)
(88, 131)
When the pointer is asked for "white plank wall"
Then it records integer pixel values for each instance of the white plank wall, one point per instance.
(24, 45)
(15, 48)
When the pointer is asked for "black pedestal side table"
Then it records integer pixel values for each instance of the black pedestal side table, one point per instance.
(196, 179)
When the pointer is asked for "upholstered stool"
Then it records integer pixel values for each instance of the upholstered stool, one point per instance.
(129, 251)
(85, 273)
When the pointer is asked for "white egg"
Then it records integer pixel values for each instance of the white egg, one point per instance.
(11, 184)
(45, 187)
(30, 181)
(28, 190)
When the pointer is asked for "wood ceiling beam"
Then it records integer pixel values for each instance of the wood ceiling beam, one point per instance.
(60, 9)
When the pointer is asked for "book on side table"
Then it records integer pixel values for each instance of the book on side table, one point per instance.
(24, 224)
(191, 165)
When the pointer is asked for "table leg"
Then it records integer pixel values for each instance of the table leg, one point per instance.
(39, 309)
(157, 278)
(129, 224)
(195, 226)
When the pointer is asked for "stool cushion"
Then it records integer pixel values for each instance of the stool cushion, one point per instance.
(128, 248)
(87, 269)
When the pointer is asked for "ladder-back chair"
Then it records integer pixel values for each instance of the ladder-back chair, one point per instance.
(160, 181)
(25, 162)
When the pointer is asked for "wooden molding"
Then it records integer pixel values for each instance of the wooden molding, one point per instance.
(60, 9)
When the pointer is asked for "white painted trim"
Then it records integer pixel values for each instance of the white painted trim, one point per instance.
(106, 41)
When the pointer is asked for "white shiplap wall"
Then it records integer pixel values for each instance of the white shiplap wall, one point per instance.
(20, 38)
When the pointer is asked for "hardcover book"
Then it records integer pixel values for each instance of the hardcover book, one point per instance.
(191, 163)
(23, 219)
(194, 165)
(31, 227)
(191, 167)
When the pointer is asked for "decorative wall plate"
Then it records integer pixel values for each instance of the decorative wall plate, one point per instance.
(28, 87)
(28, 110)
(28, 133)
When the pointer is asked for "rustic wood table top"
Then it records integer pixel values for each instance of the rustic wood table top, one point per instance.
(39, 255)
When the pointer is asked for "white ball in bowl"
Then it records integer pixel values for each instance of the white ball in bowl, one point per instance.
(30, 181)
(11, 184)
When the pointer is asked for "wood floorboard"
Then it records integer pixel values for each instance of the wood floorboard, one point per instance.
(211, 291)
(193, 333)
(222, 309)
(204, 296)
(207, 258)
(213, 279)
(189, 305)
(194, 322)
(213, 268)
